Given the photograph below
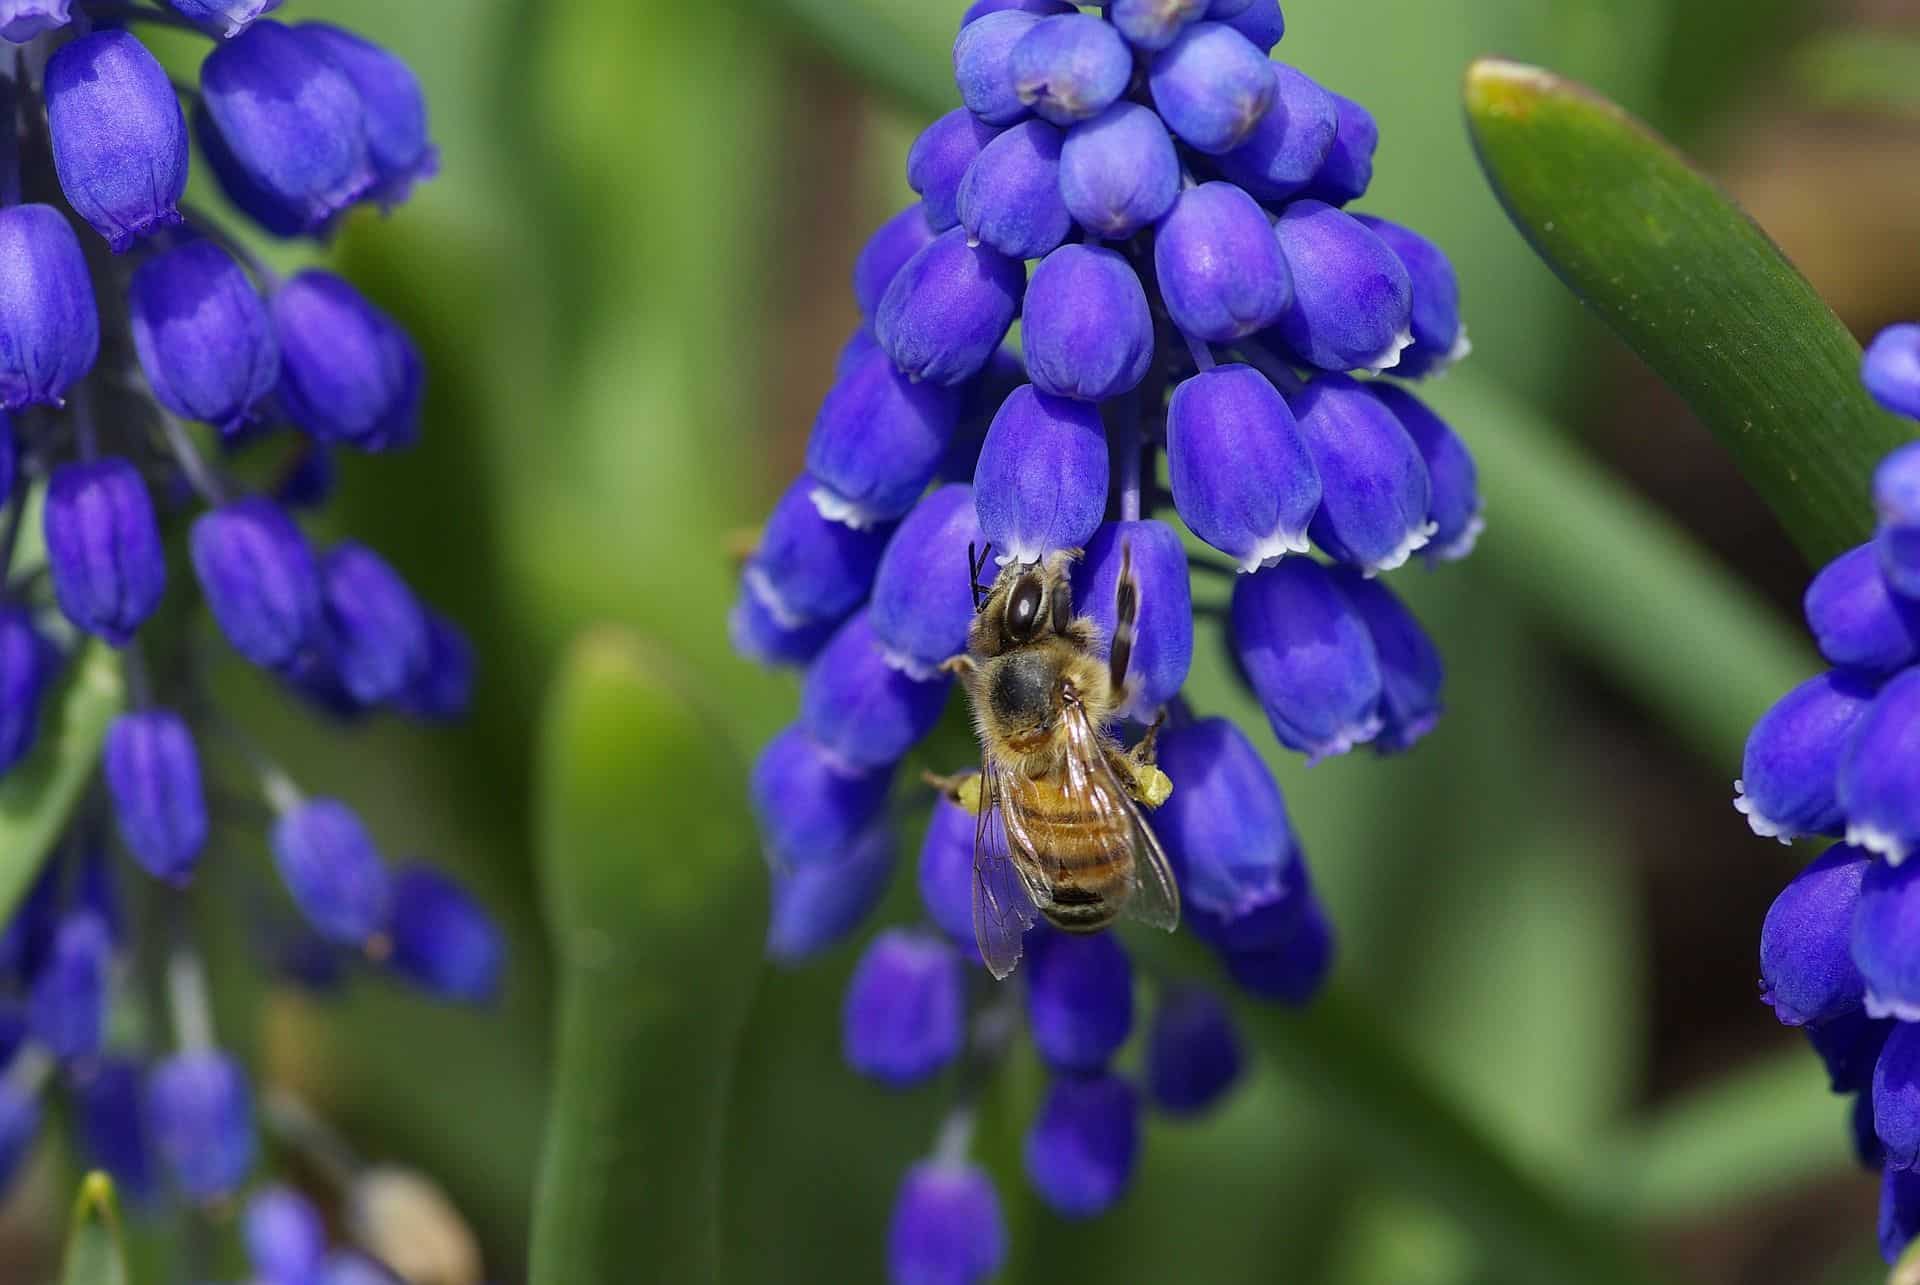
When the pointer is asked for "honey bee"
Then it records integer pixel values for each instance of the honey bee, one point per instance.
(1060, 830)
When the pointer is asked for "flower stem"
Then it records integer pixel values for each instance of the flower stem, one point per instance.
(187, 993)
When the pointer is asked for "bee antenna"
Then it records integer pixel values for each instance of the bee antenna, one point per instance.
(974, 567)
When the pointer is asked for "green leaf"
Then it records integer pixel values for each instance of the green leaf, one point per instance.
(654, 902)
(95, 1255)
(38, 796)
(900, 49)
(1869, 69)
(1694, 287)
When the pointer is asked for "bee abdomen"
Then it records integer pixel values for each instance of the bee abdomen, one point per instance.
(1081, 910)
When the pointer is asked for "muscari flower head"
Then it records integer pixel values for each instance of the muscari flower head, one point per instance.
(106, 433)
(1164, 208)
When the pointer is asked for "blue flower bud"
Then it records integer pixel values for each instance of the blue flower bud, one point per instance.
(1163, 619)
(1896, 498)
(1119, 171)
(1259, 21)
(1867, 1150)
(49, 328)
(67, 1012)
(348, 374)
(813, 809)
(260, 579)
(1193, 1051)
(1005, 371)
(809, 569)
(113, 1126)
(1374, 488)
(1885, 947)
(285, 1237)
(28, 663)
(376, 628)
(1891, 369)
(1857, 619)
(1083, 1145)
(1071, 67)
(1042, 480)
(237, 14)
(818, 906)
(1242, 477)
(1292, 972)
(1225, 826)
(9, 461)
(1153, 24)
(103, 548)
(1899, 1211)
(1352, 305)
(1896, 1096)
(119, 137)
(946, 872)
(159, 803)
(1079, 999)
(22, 20)
(1086, 327)
(204, 335)
(1879, 781)
(1010, 196)
(444, 689)
(1290, 144)
(27, 939)
(1849, 1045)
(1211, 86)
(983, 64)
(444, 941)
(1439, 339)
(350, 1267)
(284, 128)
(328, 862)
(947, 1228)
(756, 633)
(876, 442)
(395, 109)
(861, 710)
(309, 482)
(946, 311)
(1411, 671)
(886, 252)
(1221, 10)
(1807, 972)
(1349, 167)
(201, 1112)
(922, 598)
(19, 1126)
(937, 161)
(1454, 503)
(905, 1012)
(1309, 658)
(1220, 269)
(1788, 778)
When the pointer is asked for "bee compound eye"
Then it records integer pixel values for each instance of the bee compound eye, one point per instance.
(1023, 609)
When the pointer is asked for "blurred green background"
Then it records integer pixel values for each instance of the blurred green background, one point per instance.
(629, 283)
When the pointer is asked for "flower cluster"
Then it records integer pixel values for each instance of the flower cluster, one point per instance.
(1839, 756)
(167, 405)
(1202, 293)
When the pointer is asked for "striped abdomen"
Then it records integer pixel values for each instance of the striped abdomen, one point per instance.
(1077, 849)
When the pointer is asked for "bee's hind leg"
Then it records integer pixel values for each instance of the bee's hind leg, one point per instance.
(963, 788)
(1143, 780)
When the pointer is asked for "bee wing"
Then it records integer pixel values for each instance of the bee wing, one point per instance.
(1090, 778)
(1002, 908)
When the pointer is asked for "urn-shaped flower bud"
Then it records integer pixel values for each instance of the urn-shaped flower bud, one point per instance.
(1848, 1046)
(1439, 339)
(1899, 1211)
(1309, 658)
(1806, 960)
(67, 1012)
(28, 663)
(1079, 999)
(1788, 779)
(1160, 649)
(1153, 24)
(937, 161)
(1260, 21)
(1193, 1051)
(922, 595)
(807, 568)
(285, 1237)
(204, 335)
(1242, 477)
(1119, 171)
(1856, 618)
(1896, 498)
(812, 809)
(1086, 327)
(236, 15)
(1879, 782)
(103, 548)
(49, 328)
(1411, 671)
(1084, 1143)
(1292, 972)
(1896, 1096)
(946, 311)
(348, 374)
(1349, 166)
(395, 109)
(946, 872)
(113, 1127)
(877, 441)
(895, 241)
(1010, 196)
(1374, 488)
(159, 802)
(260, 579)
(946, 1228)
(861, 710)
(1041, 483)
(1352, 305)
(1071, 67)
(22, 20)
(376, 629)
(202, 1117)
(1891, 369)
(1454, 491)
(983, 64)
(1220, 269)
(905, 1012)
(1225, 824)
(444, 941)
(444, 689)
(1885, 934)
(1287, 149)
(756, 633)
(816, 907)
(119, 137)
(1221, 10)
(1211, 86)
(328, 862)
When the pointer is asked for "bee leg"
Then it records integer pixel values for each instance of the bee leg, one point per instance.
(1126, 608)
(1143, 752)
(961, 666)
(1146, 783)
(963, 788)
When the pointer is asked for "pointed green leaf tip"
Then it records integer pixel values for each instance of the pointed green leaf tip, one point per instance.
(94, 1253)
(656, 900)
(1693, 286)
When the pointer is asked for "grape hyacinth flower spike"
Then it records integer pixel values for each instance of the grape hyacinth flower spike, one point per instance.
(137, 334)
(1165, 211)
